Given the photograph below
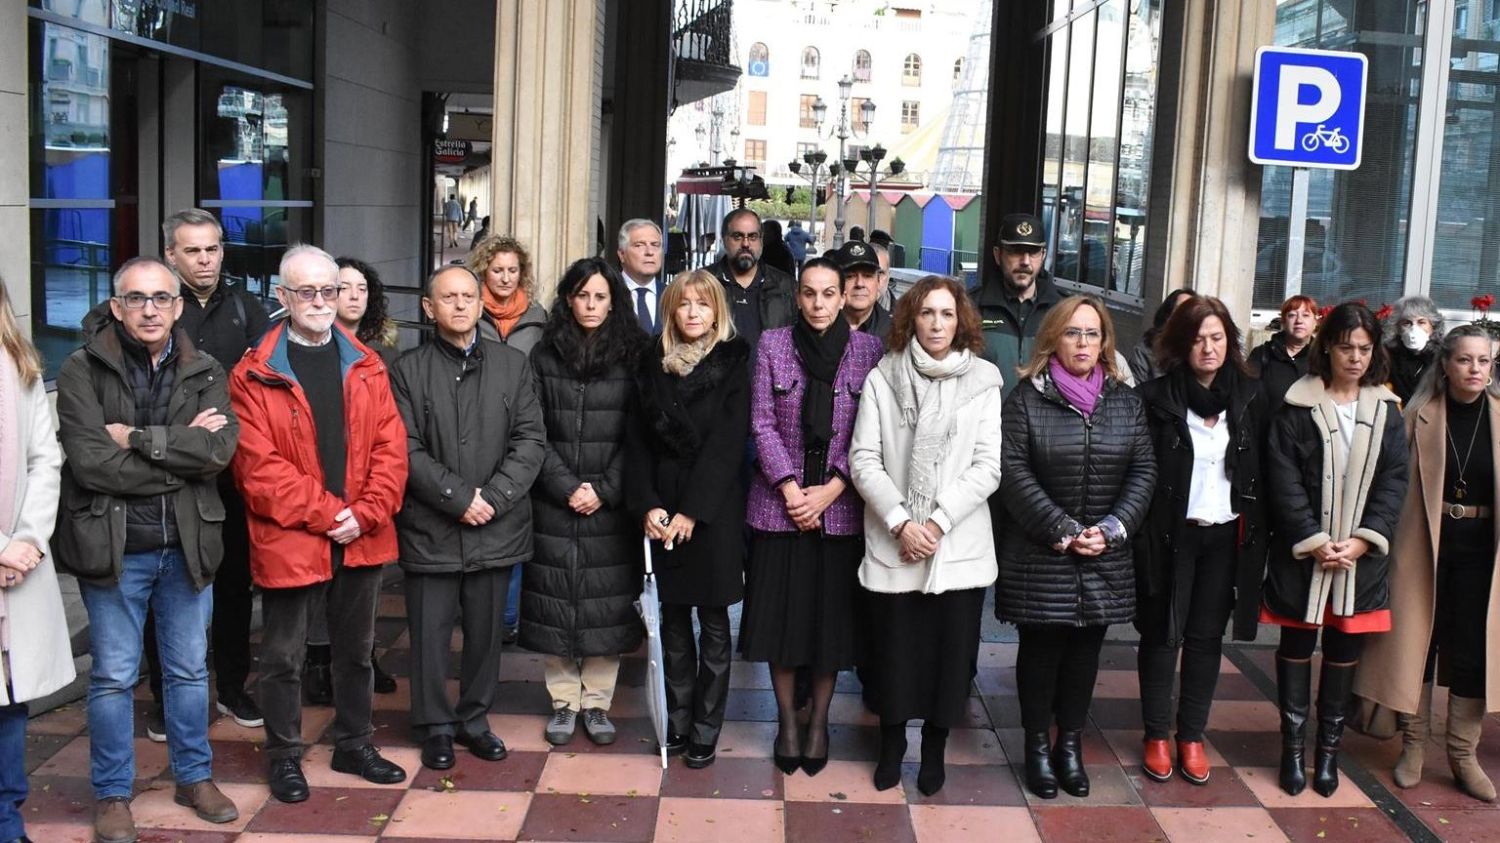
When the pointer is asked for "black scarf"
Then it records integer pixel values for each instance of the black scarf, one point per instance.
(820, 355)
(1208, 401)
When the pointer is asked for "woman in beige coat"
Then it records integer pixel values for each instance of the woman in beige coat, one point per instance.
(1444, 603)
(37, 659)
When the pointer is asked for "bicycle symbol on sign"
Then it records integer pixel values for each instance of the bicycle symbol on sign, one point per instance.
(1331, 138)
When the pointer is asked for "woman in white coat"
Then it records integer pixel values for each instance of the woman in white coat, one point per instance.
(37, 658)
(925, 455)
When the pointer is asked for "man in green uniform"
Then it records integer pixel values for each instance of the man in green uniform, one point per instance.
(1015, 296)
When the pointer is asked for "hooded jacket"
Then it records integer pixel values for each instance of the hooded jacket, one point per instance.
(279, 474)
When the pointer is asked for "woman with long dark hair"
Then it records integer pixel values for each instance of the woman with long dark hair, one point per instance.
(925, 455)
(578, 589)
(1201, 555)
(1143, 360)
(807, 519)
(363, 309)
(1079, 473)
(683, 459)
(1337, 459)
(1445, 613)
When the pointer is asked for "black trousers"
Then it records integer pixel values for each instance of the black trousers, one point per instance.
(353, 597)
(433, 605)
(1461, 628)
(1212, 554)
(234, 600)
(697, 674)
(1339, 647)
(1056, 667)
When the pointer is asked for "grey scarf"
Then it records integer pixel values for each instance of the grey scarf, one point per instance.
(927, 396)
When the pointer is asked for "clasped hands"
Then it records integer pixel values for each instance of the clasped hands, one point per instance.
(1334, 555)
(19, 558)
(1090, 542)
(670, 531)
(805, 506)
(918, 541)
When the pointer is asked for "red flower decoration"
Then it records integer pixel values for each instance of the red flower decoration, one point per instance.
(1384, 312)
(1324, 311)
(1483, 303)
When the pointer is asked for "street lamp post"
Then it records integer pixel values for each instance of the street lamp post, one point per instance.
(872, 157)
(844, 131)
(814, 162)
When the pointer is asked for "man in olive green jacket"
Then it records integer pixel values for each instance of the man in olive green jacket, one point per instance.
(1016, 295)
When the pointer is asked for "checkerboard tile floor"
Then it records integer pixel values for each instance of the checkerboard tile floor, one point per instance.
(582, 792)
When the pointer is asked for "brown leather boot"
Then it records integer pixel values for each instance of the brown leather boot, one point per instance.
(207, 801)
(112, 821)
(1414, 730)
(1465, 722)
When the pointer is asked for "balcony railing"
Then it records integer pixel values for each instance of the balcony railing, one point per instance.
(702, 29)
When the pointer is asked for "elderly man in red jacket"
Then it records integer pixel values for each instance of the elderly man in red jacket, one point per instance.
(322, 465)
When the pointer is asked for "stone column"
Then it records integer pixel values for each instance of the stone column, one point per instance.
(1205, 193)
(15, 182)
(546, 125)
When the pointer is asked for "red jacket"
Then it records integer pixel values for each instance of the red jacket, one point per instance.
(277, 468)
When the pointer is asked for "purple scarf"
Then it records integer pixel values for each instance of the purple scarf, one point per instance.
(1083, 392)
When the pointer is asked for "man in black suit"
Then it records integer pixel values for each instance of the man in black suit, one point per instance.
(640, 252)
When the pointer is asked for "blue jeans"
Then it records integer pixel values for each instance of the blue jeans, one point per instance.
(12, 770)
(158, 579)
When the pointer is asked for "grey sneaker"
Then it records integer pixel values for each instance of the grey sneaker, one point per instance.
(156, 725)
(561, 727)
(596, 724)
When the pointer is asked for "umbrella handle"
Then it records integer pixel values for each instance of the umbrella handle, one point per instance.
(647, 542)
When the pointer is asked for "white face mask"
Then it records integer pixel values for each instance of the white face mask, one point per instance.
(1415, 337)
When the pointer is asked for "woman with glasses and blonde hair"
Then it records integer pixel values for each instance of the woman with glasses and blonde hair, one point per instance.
(38, 658)
(1444, 609)
(1080, 471)
(511, 315)
(683, 481)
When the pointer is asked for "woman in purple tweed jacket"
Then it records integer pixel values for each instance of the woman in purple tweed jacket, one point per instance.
(808, 522)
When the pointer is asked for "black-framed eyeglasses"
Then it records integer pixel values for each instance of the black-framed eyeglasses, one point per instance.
(745, 236)
(136, 301)
(328, 293)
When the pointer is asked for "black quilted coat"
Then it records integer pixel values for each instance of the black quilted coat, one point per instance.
(577, 591)
(1061, 471)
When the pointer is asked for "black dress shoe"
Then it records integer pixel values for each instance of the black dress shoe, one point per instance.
(675, 743)
(437, 752)
(286, 780)
(700, 755)
(366, 763)
(486, 746)
(384, 683)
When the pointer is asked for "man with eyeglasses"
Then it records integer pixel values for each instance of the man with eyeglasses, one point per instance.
(1016, 296)
(477, 442)
(760, 297)
(146, 426)
(322, 465)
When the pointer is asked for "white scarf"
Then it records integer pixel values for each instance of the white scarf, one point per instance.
(926, 394)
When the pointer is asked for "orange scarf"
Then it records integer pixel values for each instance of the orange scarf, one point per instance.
(505, 313)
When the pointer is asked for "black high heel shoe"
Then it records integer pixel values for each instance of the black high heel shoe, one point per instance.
(787, 764)
(813, 766)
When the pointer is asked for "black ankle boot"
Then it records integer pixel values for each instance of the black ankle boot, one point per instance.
(1293, 681)
(892, 749)
(1039, 776)
(317, 676)
(932, 774)
(1067, 762)
(1334, 685)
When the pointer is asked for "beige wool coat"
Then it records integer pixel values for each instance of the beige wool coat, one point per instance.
(1390, 672)
(40, 659)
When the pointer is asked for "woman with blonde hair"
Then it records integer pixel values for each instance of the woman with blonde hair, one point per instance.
(511, 314)
(1444, 609)
(38, 658)
(683, 481)
(1080, 470)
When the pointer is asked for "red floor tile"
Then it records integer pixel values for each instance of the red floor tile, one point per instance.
(561, 817)
(352, 810)
(1070, 824)
(967, 784)
(849, 821)
(518, 771)
(727, 778)
(1350, 825)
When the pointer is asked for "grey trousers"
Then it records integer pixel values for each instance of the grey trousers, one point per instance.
(352, 599)
(433, 605)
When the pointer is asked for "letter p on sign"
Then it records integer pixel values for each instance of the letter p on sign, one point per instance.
(1308, 108)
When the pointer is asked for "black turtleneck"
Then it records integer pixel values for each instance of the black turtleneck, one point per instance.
(1466, 423)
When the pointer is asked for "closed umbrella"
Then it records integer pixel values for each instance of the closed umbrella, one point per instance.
(656, 680)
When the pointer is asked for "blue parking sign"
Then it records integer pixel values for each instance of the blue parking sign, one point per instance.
(1308, 108)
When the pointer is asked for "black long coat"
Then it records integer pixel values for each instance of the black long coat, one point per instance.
(578, 590)
(1061, 471)
(1165, 579)
(684, 453)
(1277, 370)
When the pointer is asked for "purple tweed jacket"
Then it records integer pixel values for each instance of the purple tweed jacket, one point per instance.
(776, 423)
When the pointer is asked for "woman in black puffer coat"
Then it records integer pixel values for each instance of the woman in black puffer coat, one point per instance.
(1078, 472)
(578, 589)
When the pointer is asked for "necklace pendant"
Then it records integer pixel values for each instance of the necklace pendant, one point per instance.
(1460, 489)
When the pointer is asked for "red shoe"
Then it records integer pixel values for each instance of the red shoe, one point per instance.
(1192, 761)
(1156, 760)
